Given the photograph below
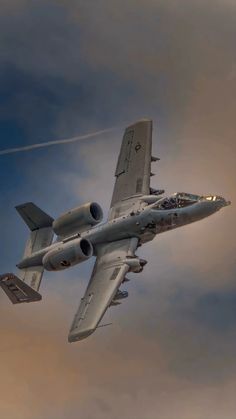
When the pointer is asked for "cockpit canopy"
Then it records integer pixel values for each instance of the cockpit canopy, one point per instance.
(177, 200)
(183, 199)
(186, 196)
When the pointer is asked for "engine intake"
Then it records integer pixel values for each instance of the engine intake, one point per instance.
(67, 254)
(78, 219)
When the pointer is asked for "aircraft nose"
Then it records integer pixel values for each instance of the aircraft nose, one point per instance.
(223, 201)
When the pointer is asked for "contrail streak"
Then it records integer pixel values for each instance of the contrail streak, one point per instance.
(55, 142)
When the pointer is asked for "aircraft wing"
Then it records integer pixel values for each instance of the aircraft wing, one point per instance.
(133, 168)
(108, 274)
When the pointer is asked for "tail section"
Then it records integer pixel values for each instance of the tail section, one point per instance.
(41, 236)
(17, 290)
(33, 216)
(32, 276)
(25, 288)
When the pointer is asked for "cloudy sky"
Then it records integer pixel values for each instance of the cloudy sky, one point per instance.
(71, 68)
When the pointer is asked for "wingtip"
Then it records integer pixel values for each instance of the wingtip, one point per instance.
(23, 205)
(76, 336)
(140, 121)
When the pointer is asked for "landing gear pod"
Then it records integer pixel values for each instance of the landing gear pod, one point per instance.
(67, 254)
(135, 264)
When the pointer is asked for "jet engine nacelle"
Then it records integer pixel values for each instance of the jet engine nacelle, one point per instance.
(67, 254)
(78, 219)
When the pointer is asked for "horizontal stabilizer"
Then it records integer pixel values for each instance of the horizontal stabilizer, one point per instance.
(17, 290)
(33, 216)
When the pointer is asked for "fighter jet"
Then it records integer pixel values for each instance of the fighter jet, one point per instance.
(137, 214)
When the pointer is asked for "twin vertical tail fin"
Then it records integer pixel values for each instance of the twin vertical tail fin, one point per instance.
(25, 289)
(41, 236)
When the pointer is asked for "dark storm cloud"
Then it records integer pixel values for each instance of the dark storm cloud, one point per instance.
(69, 68)
(161, 47)
(111, 57)
(47, 80)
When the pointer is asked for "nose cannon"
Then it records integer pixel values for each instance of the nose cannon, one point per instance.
(223, 202)
(226, 203)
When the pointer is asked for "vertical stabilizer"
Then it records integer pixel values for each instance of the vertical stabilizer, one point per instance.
(41, 236)
(33, 216)
(32, 276)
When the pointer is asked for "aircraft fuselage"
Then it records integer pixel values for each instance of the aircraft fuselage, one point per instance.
(143, 224)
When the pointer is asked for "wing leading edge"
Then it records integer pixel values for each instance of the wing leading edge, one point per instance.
(133, 168)
(108, 274)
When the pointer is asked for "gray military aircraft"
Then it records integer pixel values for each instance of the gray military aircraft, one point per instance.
(137, 214)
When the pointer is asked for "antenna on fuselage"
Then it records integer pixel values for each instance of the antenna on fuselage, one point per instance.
(154, 191)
